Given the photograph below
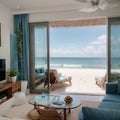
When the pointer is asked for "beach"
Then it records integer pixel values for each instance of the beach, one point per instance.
(82, 70)
(83, 80)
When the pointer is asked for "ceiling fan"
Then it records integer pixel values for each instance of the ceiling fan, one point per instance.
(93, 5)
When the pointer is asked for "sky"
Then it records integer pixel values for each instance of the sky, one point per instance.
(115, 41)
(89, 41)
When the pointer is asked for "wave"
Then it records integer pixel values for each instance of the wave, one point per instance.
(66, 65)
(73, 66)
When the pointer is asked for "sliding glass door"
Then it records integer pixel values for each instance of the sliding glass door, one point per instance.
(114, 49)
(39, 57)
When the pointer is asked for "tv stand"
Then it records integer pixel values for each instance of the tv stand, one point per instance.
(7, 90)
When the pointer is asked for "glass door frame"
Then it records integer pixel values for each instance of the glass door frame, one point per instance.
(32, 56)
(109, 23)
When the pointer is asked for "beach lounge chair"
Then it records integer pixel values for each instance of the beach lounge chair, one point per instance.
(55, 78)
(101, 81)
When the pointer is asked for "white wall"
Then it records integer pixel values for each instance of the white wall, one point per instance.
(6, 20)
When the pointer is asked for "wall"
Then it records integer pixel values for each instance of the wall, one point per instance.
(6, 20)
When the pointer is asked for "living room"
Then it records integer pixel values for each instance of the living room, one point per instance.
(47, 11)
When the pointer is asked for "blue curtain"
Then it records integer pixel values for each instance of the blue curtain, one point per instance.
(22, 21)
(13, 52)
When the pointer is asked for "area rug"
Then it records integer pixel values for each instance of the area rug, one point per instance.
(22, 110)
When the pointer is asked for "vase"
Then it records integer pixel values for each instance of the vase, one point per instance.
(24, 86)
(13, 78)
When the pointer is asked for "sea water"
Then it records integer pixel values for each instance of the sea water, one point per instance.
(70, 62)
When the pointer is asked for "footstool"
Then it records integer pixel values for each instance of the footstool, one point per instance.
(33, 114)
(19, 98)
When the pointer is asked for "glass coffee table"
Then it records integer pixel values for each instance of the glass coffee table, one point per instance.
(47, 101)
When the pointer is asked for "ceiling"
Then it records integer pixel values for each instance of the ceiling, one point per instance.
(70, 7)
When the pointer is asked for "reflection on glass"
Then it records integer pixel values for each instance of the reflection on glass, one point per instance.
(115, 51)
(40, 56)
(44, 101)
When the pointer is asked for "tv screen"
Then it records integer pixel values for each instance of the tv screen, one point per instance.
(2, 70)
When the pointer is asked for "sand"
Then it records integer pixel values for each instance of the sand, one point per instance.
(83, 80)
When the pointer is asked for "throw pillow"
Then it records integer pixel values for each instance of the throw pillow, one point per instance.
(37, 70)
(118, 89)
(90, 113)
(42, 70)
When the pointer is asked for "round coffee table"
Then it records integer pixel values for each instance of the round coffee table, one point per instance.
(65, 106)
(47, 102)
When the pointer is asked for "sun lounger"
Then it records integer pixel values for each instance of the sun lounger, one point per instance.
(56, 78)
(101, 81)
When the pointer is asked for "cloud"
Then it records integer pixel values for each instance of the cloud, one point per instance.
(96, 48)
(101, 40)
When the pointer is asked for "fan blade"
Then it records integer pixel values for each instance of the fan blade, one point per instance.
(90, 9)
(107, 5)
(103, 5)
(83, 1)
(93, 5)
(112, 0)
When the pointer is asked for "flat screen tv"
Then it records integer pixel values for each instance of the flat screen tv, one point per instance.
(2, 70)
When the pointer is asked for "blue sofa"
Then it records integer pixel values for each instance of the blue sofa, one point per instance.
(40, 72)
(108, 109)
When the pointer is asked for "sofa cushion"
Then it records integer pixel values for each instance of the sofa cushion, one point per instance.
(42, 75)
(42, 70)
(37, 70)
(112, 97)
(90, 113)
(118, 89)
(111, 88)
(110, 105)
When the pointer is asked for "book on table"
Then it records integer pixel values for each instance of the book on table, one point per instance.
(58, 102)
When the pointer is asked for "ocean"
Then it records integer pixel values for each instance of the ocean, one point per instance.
(63, 62)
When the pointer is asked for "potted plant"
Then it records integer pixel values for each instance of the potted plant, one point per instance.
(13, 74)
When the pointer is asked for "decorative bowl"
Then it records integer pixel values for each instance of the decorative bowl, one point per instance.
(68, 99)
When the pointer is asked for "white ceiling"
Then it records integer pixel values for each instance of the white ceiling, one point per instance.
(69, 7)
(40, 5)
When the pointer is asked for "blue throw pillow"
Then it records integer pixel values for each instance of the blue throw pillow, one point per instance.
(37, 70)
(42, 70)
(118, 89)
(111, 88)
(90, 113)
